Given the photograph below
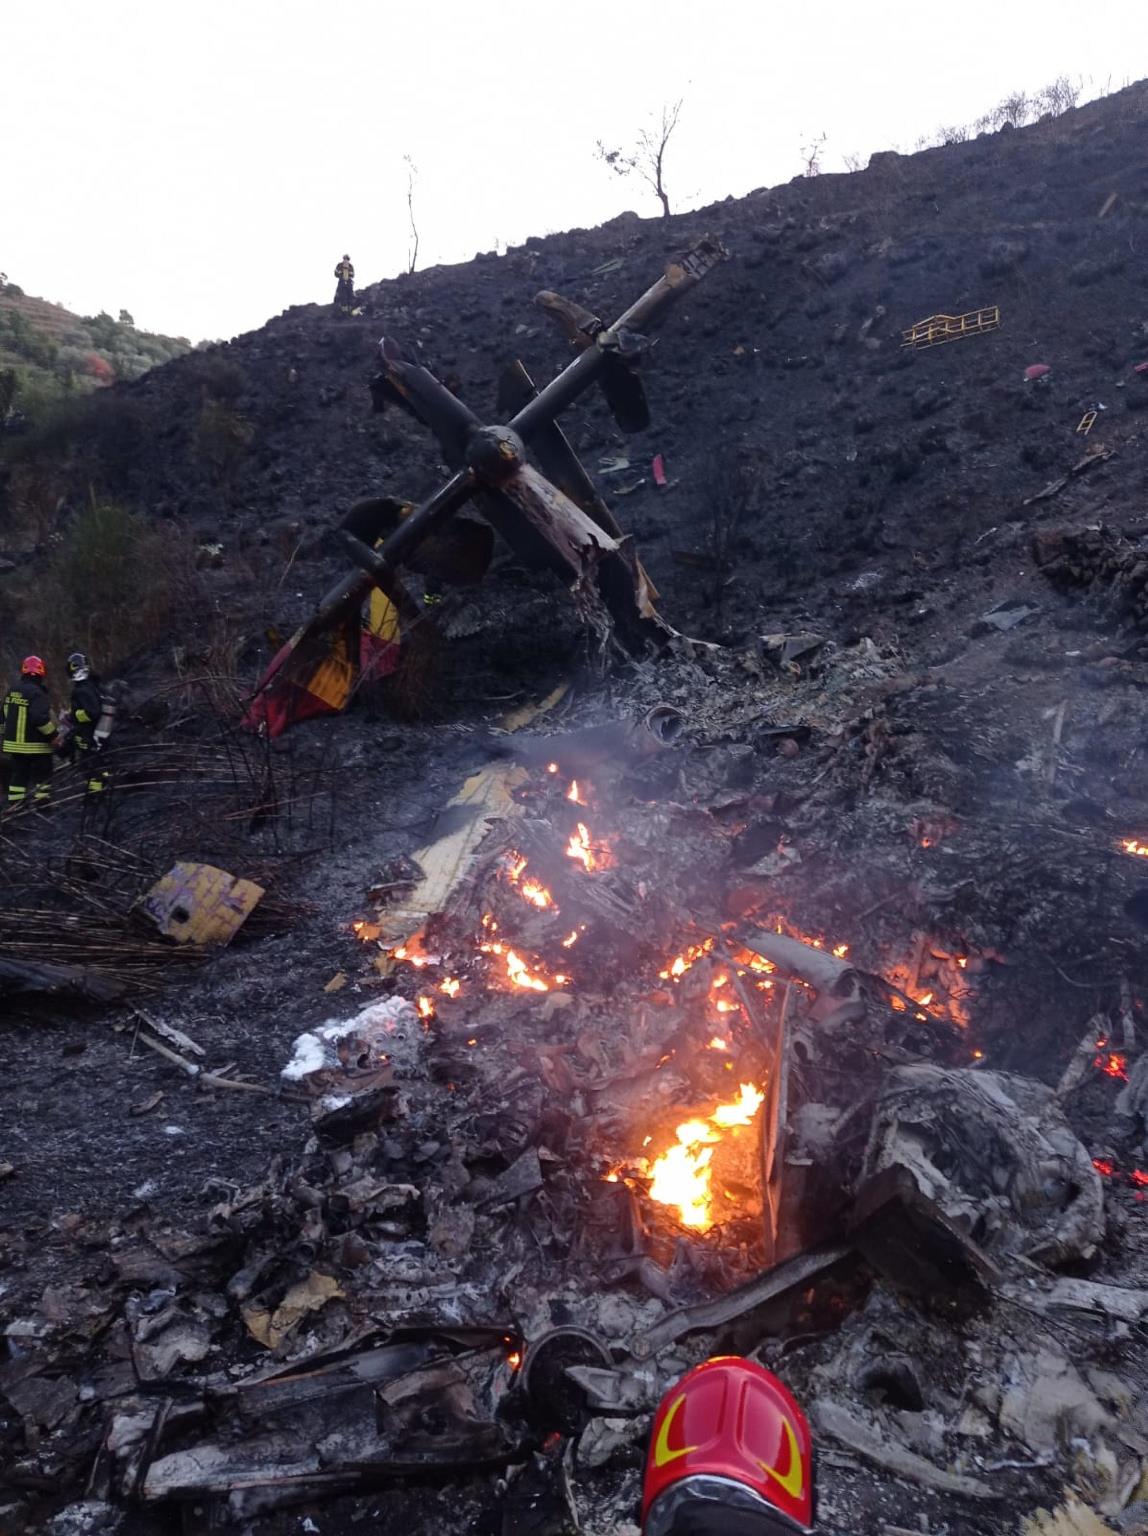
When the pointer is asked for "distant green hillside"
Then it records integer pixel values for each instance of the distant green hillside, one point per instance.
(48, 354)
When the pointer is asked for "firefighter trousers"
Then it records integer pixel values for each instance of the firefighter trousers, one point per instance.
(97, 778)
(29, 778)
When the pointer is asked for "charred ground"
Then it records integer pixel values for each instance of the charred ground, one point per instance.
(958, 780)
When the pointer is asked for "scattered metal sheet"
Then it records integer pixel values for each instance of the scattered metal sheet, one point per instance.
(850, 1430)
(712, 1314)
(908, 1238)
(487, 796)
(199, 904)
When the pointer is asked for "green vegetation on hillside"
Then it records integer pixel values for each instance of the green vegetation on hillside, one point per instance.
(47, 354)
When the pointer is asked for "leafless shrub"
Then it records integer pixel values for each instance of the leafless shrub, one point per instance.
(648, 157)
(811, 155)
(854, 162)
(1061, 95)
(413, 246)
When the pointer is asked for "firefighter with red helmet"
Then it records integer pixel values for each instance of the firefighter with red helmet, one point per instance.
(29, 736)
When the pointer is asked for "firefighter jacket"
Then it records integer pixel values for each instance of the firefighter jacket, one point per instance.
(87, 707)
(29, 725)
(345, 272)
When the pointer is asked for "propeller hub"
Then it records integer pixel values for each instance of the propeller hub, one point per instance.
(495, 454)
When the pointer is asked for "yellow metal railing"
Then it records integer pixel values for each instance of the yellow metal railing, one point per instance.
(939, 328)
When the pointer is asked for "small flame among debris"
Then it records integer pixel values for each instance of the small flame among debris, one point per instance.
(514, 1359)
(451, 986)
(517, 971)
(681, 1176)
(573, 936)
(1134, 845)
(573, 794)
(536, 893)
(680, 964)
(1104, 1165)
(425, 1006)
(531, 890)
(1113, 1063)
(551, 767)
(582, 848)
(718, 1044)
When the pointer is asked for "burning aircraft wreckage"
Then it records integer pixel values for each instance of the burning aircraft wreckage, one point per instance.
(610, 1111)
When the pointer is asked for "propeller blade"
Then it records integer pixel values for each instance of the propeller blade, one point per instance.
(588, 557)
(458, 553)
(417, 391)
(561, 464)
(551, 447)
(624, 391)
(577, 324)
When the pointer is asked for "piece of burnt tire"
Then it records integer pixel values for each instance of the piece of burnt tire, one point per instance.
(665, 723)
(553, 1402)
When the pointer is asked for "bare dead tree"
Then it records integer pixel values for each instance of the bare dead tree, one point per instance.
(648, 157)
(413, 246)
(811, 155)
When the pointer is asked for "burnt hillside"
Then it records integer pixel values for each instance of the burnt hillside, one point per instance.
(870, 463)
(912, 781)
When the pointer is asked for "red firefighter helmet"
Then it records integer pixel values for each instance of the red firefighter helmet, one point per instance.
(33, 666)
(729, 1432)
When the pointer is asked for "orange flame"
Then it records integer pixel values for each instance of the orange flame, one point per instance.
(574, 794)
(425, 1007)
(1134, 845)
(680, 964)
(1112, 1063)
(585, 852)
(681, 1175)
(517, 971)
(536, 893)
(451, 986)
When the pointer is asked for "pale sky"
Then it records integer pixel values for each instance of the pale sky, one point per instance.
(205, 164)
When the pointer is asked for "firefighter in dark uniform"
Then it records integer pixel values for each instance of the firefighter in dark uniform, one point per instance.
(87, 706)
(29, 736)
(345, 292)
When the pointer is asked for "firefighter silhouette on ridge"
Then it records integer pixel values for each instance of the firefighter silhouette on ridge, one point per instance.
(345, 292)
